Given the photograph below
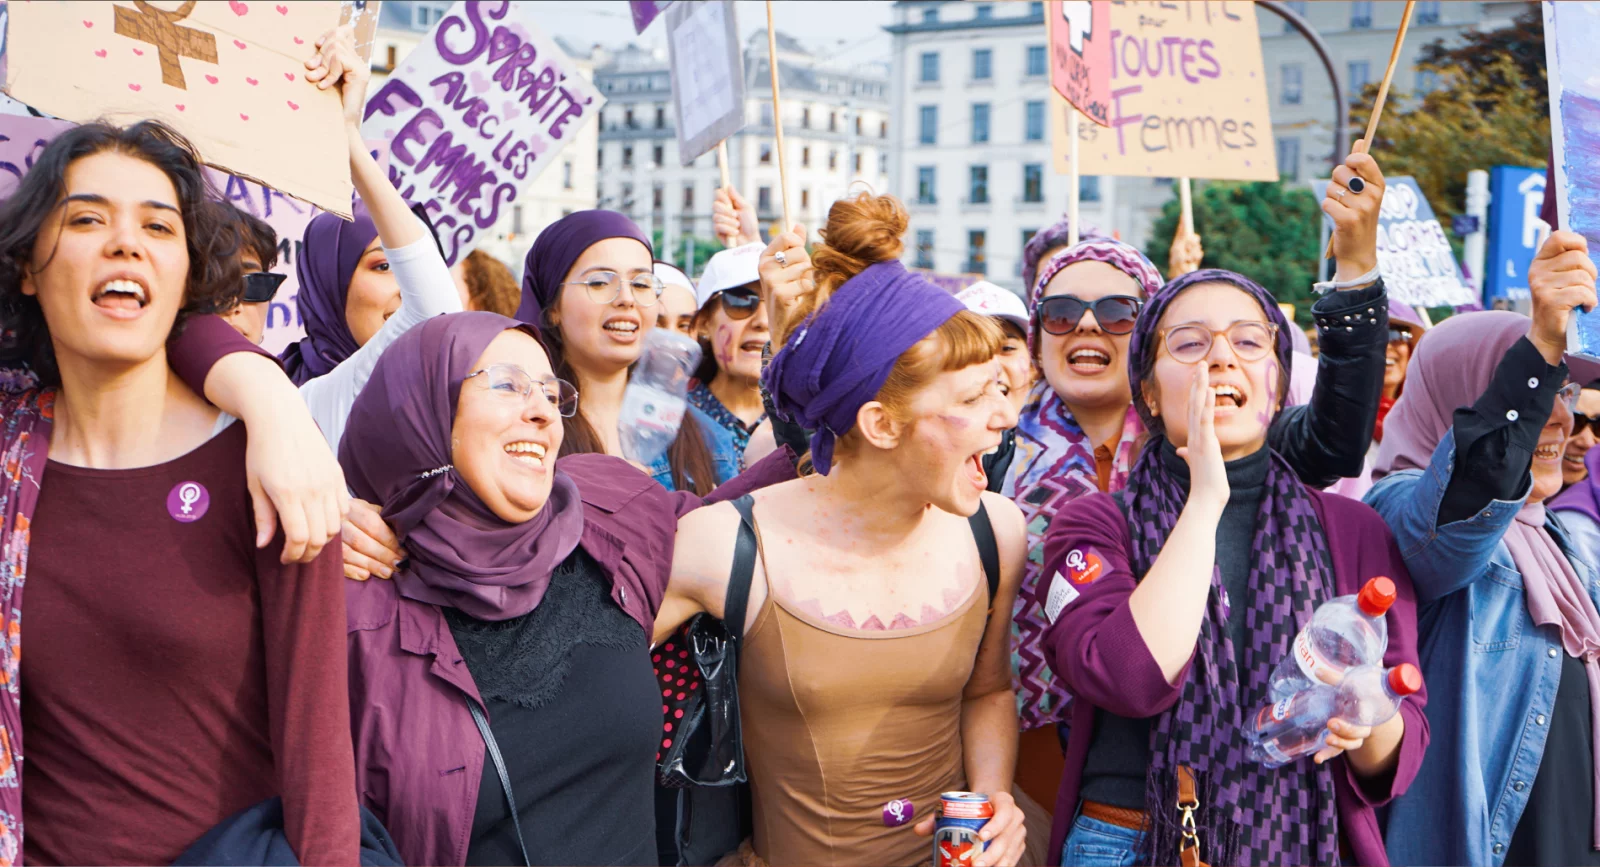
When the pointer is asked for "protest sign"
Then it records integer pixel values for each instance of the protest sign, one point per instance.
(475, 113)
(951, 283)
(365, 15)
(1080, 55)
(707, 74)
(645, 11)
(1414, 256)
(1187, 97)
(229, 76)
(1573, 70)
(1515, 231)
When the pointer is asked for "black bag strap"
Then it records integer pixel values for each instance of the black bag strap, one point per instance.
(737, 602)
(988, 549)
(500, 768)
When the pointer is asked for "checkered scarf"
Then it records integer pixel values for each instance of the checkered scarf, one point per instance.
(1248, 814)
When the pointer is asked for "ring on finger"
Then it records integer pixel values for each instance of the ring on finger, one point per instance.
(1356, 185)
(783, 260)
(1337, 191)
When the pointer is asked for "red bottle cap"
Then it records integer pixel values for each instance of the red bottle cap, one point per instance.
(1404, 678)
(1376, 597)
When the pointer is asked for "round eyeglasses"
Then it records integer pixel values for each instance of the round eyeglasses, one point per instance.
(512, 382)
(605, 287)
(1251, 341)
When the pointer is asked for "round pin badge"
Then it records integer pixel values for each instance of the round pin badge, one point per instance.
(188, 502)
(898, 812)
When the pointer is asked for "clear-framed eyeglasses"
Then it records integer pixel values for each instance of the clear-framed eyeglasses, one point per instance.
(514, 383)
(605, 287)
(1251, 341)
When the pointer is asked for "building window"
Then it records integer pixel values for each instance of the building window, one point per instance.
(1034, 111)
(1033, 182)
(764, 200)
(766, 154)
(627, 156)
(980, 122)
(658, 196)
(833, 121)
(985, 11)
(627, 118)
(924, 248)
(392, 51)
(805, 199)
(661, 117)
(657, 156)
(977, 254)
(883, 164)
(1036, 61)
(858, 124)
(1360, 75)
(627, 198)
(883, 129)
(1292, 76)
(925, 186)
(982, 64)
(805, 117)
(928, 125)
(1089, 188)
(930, 67)
(833, 160)
(1027, 235)
(1298, 7)
(688, 197)
(1427, 81)
(566, 175)
(425, 15)
(1289, 159)
(858, 163)
(1036, 8)
(516, 219)
(930, 15)
(766, 114)
(599, 157)
(1360, 14)
(1428, 12)
(805, 157)
(978, 185)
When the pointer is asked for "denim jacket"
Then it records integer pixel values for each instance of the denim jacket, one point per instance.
(1492, 673)
(726, 458)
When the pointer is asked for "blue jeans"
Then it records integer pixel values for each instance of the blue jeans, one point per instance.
(1093, 843)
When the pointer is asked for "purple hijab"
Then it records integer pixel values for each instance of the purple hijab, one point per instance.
(1583, 497)
(840, 356)
(556, 249)
(331, 250)
(396, 452)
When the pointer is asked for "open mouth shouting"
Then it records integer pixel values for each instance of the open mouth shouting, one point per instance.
(1088, 360)
(122, 297)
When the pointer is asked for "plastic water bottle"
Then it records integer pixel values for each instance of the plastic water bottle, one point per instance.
(656, 399)
(1345, 632)
(1298, 725)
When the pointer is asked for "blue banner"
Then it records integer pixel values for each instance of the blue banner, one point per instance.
(1515, 194)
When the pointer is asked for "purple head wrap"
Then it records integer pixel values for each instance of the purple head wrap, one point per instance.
(1055, 235)
(331, 250)
(396, 452)
(1583, 497)
(1144, 330)
(842, 354)
(556, 249)
(1123, 257)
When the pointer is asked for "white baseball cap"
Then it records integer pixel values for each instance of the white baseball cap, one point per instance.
(671, 275)
(992, 300)
(728, 269)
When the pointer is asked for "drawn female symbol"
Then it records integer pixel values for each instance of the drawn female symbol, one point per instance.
(160, 28)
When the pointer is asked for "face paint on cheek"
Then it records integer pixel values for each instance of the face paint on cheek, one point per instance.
(724, 344)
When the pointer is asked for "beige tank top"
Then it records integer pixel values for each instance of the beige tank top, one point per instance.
(838, 722)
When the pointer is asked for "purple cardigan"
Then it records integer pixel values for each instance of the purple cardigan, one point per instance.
(419, 757)
(1096, 649)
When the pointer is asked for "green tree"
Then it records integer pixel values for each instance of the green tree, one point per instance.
(703, 250)
(1267, 231)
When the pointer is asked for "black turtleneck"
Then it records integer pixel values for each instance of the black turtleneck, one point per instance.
(1119, 753)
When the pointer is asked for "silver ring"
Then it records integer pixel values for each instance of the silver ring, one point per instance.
(1356, 185)
(783, 262)
(1338, 192)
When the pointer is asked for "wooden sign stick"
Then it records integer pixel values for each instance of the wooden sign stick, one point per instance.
(722, 163)
(777, 120)
(1383, 88)
(1072, 176)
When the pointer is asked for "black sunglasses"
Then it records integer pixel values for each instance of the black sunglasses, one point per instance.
(261, 286)
(1060, 314)
(739, 302)
(1581, 422)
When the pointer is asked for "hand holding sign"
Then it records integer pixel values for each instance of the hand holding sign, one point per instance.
(1562, 278)
(337, 63)
(1353, 201)
(733, 219)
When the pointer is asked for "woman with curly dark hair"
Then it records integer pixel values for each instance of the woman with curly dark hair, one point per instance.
(163, 641)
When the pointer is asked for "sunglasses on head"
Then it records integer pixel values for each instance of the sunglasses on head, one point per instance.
(739, 302)
(261, 286)
(1060, 314)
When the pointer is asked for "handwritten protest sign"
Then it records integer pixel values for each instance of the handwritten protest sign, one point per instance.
(1573, 71)
(1188, 97)
(707, 74)
(475, 113)
(1414, 256)
(229, 76)
(1080, 55)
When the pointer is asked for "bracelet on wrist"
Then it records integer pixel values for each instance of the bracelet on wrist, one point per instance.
(1366, 279)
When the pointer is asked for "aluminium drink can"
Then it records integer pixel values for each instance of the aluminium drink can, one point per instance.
(955, 833)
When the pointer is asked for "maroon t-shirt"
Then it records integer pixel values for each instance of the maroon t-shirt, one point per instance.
(175, 674)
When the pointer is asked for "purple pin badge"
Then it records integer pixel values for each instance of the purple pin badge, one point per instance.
(188, 502)
(898, 812)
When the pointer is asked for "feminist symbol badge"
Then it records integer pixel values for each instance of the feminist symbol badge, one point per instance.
(188, 502)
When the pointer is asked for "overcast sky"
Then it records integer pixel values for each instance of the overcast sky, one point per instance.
(848, 30)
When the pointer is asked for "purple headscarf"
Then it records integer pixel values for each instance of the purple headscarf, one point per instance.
(1583, 497)
(332, 248)
(840, 356)
(556, 249)
(1055, 235)
(396, 452)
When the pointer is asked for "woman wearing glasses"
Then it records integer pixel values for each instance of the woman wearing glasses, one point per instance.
(589, 286)
(1508, 605)
(1579, 501)
(1080, 431)
(731, 326)
(1171, 602)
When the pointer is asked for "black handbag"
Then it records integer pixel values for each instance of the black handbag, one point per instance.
(709, 748)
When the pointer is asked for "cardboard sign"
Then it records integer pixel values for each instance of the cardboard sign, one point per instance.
(1414, 255)
(707, 74)
(229, 76)
(365, 15)
(1080, 55)
(645, 11)
(1515, 231)
(1573, 70)
(1188, 97)
(475, 113)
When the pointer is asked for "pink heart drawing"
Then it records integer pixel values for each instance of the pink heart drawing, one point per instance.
(251, 81)
(292, 105)
(88, 23)
(289, 75)
(283, 10)
(100, 53)
(180, 106)
(134, 87)
(238, 44)
(243, 116)
(237, 7)
(138, 52)
(479, 83)
(299, 41)
(211, 79)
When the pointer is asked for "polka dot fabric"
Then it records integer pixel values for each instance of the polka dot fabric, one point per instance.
(679, 680)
